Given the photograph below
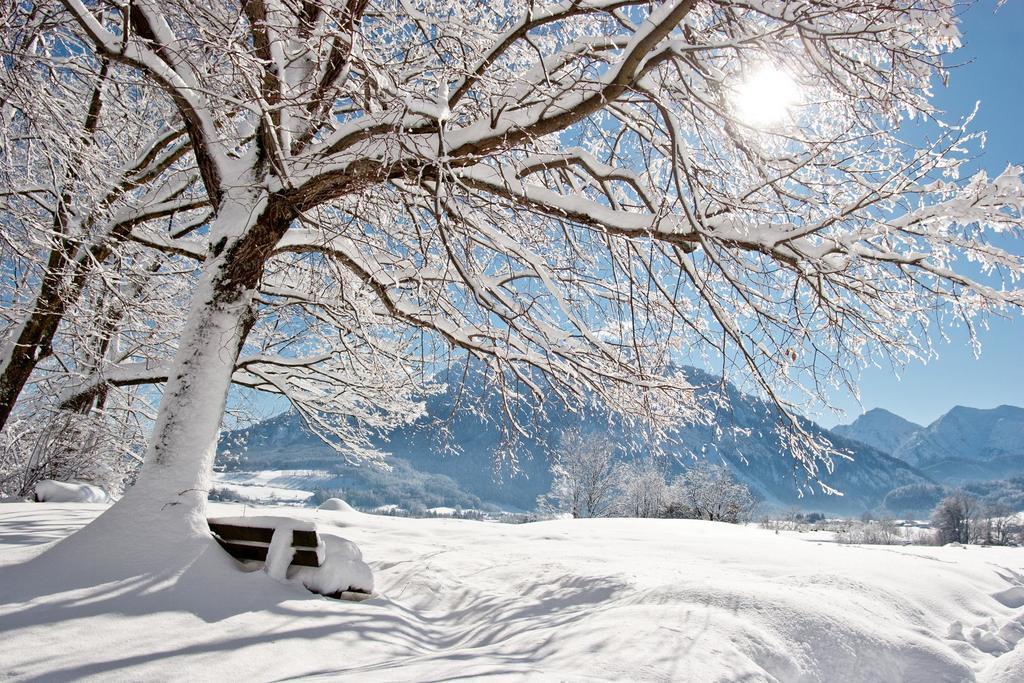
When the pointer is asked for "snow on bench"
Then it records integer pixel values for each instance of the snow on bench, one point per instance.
(294, 550)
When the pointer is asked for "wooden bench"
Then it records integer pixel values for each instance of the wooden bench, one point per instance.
(252, 543)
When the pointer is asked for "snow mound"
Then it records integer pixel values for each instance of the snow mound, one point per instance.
(341, 569)
(336, 504)
(52, 491)
(1006, 669)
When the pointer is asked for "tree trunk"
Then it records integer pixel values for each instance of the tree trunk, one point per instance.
(161, 519)
(30, 345)
(34, 341)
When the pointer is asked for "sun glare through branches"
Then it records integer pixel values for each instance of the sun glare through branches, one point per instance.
(765, 97)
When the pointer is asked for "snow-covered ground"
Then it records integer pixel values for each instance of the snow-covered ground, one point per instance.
(284, 486)
(561, 600)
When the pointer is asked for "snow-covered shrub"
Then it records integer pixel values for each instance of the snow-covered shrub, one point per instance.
(874, 532)
(67, 446)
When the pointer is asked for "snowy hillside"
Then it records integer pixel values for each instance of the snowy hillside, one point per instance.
(746, 443)
(879, 429)
(565, 600)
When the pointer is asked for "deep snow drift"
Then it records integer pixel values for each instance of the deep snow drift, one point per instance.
(573, 599)
(51, 491)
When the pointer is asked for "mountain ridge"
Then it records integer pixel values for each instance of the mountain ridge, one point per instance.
(879, 428)
(750, 449)
(964, 444)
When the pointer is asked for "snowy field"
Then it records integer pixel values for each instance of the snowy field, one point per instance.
(285, 486)
(565, 600)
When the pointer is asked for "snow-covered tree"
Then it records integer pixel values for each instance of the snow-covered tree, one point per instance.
(641, 489)
(92, 167)
(101, 234)
(998, 524)
(708, 491)
(578, 193)
(955, 519)
(583, 475)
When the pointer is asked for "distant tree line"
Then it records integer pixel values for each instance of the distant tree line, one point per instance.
(588, 480)
(918, 500)
(957, 518)
(962, 518)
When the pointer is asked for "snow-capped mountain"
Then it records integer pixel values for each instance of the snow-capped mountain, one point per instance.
(969, 443)
(880, 429)
(963, 445)
(422, 473)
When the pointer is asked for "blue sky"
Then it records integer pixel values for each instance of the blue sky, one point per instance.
(992, 72)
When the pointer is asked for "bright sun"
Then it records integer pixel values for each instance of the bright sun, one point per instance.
(765, 96)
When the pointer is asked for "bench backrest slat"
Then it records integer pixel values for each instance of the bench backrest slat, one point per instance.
(231, 532)
(302, 558)
(252, 543)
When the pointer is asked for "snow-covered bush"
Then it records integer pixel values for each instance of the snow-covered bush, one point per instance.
(67, 446)
(874, 532)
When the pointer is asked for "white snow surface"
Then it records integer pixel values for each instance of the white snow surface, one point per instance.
(336, 504)
(284, 521)
(615, 599)
(53, 491)
(286, 486)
